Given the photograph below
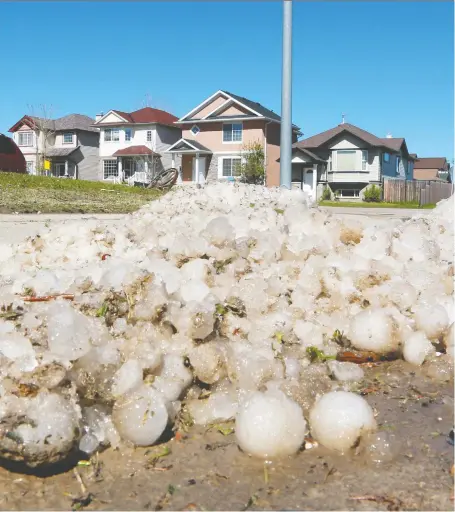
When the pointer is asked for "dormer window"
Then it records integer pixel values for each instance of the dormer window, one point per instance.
(68, 138)
(195, 130)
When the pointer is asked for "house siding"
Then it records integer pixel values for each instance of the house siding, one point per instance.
(88, 165)
(272, 164)
(216, 102)
(165, 137)
(211, 136)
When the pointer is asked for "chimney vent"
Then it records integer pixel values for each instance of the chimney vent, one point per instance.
(389, 136)
(99, 116)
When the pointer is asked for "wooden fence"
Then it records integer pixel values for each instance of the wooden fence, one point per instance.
(422, 192)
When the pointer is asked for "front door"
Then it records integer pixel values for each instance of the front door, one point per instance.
(308, 177)
(201, 177)
(59, 169)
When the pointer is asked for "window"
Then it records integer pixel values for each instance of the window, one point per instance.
(346, 160)
(364, 159)
(30, 166)
(58, 169)
(128, 134)
(347, 192)
(330, 162)
(387, 157)
(231, 167)
(111, 134)
(68, 138)
(232, 132)
(398, 165)
(149, 136)
(110, 169)
(25, 139)
(195, 130)
(129, 167)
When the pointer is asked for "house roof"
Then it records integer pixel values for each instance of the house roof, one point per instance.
(136, 151)
(431, 163)
(309, 154)
(316, 141)
(187, 146)
(256, 109)
(144, 115)
(69, 122)
(55, 152)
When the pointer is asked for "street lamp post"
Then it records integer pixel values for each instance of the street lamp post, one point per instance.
(286, 98)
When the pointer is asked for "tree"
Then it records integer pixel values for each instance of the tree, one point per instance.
(43, 125)
(151, 165)
(252, 166)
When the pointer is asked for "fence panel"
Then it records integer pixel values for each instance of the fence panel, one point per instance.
(422, 192)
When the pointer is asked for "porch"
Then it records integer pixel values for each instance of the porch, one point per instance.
(307, 170)
(195, 161)
(135, 164)
(59, 164)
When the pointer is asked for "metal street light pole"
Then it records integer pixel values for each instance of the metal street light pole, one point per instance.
(286, 98)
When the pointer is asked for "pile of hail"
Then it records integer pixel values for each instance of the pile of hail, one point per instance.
(227, 302)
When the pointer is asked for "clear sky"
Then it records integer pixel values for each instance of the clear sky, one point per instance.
(388, 65)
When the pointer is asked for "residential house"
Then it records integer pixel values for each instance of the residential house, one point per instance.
(63, 147)
(435, 168)
(11, 157)
(215, 136)
(348, 159)
(133, 144)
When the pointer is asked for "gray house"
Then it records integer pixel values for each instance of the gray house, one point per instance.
(348, 159)
(63, 147)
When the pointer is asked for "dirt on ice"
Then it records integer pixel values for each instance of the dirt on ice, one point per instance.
(205, 470)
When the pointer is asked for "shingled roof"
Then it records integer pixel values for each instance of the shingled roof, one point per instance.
(144, 116)
(69, 122)
(316, 141)
(431, 163)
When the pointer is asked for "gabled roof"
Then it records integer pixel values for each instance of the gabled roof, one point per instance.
(431, 163)
(253, 107)
(146, 115)
(187, 146)
(136, 151)
(69, 122)
(316, 141)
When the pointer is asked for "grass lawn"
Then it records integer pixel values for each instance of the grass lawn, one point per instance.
(22, 193)
(363, 204)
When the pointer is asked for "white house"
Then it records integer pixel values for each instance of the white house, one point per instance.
(133, 144)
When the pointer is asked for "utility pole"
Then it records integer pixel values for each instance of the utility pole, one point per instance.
(286, 98)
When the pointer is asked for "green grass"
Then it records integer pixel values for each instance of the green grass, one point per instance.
(363, 204)
(22, 193)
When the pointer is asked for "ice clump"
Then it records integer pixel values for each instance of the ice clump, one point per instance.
(204, 298)
(339, 418)
(417, 348)
(269, 425)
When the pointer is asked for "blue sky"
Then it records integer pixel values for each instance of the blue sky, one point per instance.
(389, 66)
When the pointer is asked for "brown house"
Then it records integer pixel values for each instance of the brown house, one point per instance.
(216, 135)
(436, 168)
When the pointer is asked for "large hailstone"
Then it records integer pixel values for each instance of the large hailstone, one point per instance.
(432, 319)
(38, 430)
(269, 424)
(141, 416)
(374, 330)
(339, 418)
(417, 348)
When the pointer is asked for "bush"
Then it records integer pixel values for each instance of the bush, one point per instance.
(326, 194)
(252, 170)
(372, 194)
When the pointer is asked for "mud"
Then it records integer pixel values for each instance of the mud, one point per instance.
(205, 470)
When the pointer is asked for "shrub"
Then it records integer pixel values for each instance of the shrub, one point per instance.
(252, 170)
(326, 194)
(372, 194)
